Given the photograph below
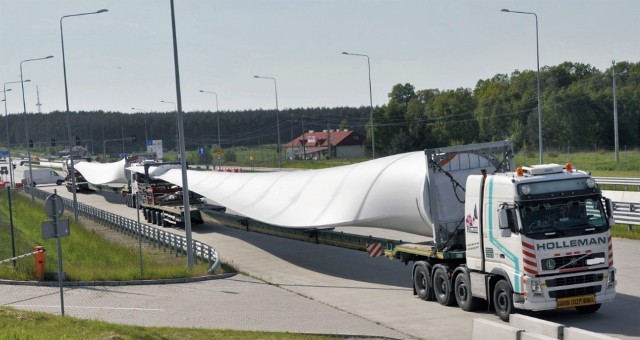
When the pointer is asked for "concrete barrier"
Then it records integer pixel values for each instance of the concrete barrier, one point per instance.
(535, 336)
(490, 330)
(538, 326)
(571, 333)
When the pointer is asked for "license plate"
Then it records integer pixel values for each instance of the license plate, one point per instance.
(576, 301)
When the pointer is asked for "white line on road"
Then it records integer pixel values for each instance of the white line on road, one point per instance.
(82, 307)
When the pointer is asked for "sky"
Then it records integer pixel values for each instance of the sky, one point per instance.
(123, 59)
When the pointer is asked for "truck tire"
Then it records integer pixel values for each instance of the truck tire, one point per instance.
(588, 309)
(442, 287)
(503, 300)
(422, 282)
(159, 218)
(462, 292)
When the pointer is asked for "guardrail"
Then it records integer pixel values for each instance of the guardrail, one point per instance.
(625, 182)
(627, 213)
(158, 238)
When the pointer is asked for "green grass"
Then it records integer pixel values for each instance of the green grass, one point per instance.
(18, 324)
(86, 255)
(622, 231)
(599, 164)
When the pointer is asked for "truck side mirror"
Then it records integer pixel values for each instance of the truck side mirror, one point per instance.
(504, 219)
(505, 231)
(610, 207)
(507, 221)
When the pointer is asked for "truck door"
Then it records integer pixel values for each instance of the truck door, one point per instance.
(503, 247)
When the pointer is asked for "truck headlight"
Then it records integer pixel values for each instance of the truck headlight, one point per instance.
(611, 279)
(536, 287)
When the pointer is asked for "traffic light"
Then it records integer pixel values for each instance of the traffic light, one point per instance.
(30, 143)
(77, 140)
(53, 142)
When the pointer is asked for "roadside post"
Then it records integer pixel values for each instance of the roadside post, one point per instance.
(57, 228)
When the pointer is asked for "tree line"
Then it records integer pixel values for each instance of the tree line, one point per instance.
(577, 113)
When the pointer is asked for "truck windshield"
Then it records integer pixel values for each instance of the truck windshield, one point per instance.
(562, 217)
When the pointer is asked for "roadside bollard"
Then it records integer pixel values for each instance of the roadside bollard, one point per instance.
(40, 262)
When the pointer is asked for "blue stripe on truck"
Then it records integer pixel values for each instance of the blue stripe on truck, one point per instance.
(495, 242)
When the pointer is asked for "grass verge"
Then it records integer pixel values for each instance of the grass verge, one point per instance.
(18, 324)
(86, 254)
(622, 231)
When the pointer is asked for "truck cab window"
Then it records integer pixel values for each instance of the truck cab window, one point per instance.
(572, 216)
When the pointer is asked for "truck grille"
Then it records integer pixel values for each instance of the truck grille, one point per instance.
(563, 293)
(573, 280)
(568, 262)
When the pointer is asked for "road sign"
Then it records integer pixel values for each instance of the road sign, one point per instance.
(201, 151)
(4, 153)
(219, 152)
(54, 206)
(49, 229)
(219, 156)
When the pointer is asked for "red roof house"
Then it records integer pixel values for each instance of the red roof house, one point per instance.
(319, 144)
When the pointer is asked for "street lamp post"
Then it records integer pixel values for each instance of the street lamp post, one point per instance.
(615, 108)
(275, 86)
(26, 127)
(6, 116)
(373, 138)
(146, 138)
(538, 76)
(72, 172)
(177, 115)
(217, 115)
(10, 168)
(181, 142)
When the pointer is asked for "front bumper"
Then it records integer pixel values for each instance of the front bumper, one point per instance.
(592, 283)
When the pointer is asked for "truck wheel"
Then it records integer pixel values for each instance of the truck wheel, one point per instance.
(422, 283)
(442, 287)
(588, 309)
(462, 291)
(503, 300)
(159, 218)
(59, 182)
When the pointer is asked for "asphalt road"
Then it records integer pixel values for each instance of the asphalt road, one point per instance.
(341, 291)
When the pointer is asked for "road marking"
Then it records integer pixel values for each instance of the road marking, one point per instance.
(81, 307)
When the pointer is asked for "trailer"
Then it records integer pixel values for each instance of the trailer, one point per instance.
(81, 183)
(532, 238)
(162, 202)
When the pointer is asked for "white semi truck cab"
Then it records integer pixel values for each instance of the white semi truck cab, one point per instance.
(533, 238)
(546, 231)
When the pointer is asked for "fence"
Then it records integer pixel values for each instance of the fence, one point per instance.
(619, 182)
(626, 204)
(158, 238)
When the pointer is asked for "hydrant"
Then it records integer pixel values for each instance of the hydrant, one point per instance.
(40, 262)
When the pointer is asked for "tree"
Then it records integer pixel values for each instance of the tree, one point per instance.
(402, 94)
(452, 117)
